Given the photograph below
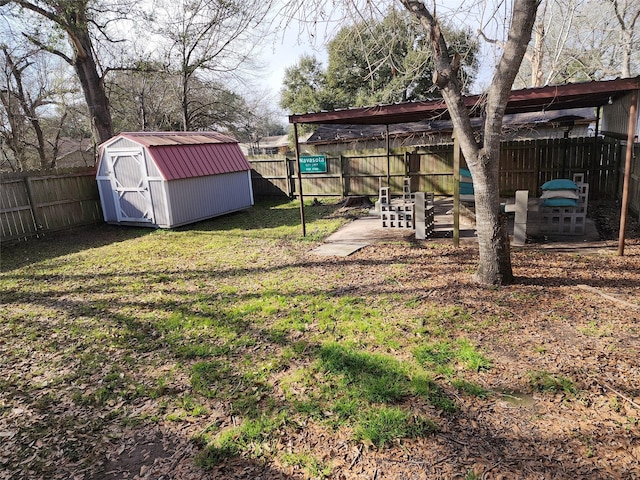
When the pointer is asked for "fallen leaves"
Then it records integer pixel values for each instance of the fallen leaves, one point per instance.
(99, 406)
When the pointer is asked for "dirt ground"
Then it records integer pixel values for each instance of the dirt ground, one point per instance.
(546, 322)
(573, 315)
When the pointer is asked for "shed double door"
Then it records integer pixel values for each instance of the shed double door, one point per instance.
(130, 185)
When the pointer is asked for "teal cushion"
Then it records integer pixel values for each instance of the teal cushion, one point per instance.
(559, 184)
(466, 188)
(465, 172)
(560, 202)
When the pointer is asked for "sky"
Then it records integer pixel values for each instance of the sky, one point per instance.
(285, 51)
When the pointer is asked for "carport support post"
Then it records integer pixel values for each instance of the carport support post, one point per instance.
(627, 171)
(295, 136)
(388, 160)
(456, 189)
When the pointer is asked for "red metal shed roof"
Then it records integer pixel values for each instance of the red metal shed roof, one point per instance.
(191, 154)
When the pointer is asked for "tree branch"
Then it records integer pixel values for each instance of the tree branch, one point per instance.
(48, 48)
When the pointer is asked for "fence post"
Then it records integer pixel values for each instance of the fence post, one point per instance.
(456, 189)
(343, 185)
(35, 215)
(618, 166)
(288, 175)
(538, 162)
(593, 167)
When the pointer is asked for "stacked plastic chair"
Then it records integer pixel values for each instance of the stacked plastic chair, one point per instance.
(564, 206)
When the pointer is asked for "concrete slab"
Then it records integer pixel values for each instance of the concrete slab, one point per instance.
(338, 249)
(368, 231)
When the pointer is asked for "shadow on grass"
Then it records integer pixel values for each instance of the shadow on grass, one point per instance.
(186, 327)
(368, 392)
(19, 254)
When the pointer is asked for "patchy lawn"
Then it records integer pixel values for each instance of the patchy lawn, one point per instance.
(227, 350)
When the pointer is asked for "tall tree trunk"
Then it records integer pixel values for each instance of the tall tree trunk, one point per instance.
(92, 84)
(186, 123)
(627, 50)
(483, 161)
(15, 139)
(537, 55)
(71, 16)
(627, 14)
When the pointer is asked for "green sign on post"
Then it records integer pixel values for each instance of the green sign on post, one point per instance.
(313, 164)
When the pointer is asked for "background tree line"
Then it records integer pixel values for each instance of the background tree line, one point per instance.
(92, 68)
(373, 62)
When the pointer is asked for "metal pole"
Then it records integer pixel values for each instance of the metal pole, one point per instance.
(627, 171)
(302, 221)
(388, 161)
(456, 190)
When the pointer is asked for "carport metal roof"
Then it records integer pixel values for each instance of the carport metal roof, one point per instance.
(577, 95)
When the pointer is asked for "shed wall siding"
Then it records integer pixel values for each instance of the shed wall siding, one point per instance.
(108, 204)
(152, 168)
(159, 202)
(615, 118)
(124, 143)
(102, 168)
(204, 197)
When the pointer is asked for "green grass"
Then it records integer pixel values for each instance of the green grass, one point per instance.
(543, 381)
(382, 426)
(470, 388)
(228, 317)
(446, 357)
(313, 467)
(377, 378)
(249, 438)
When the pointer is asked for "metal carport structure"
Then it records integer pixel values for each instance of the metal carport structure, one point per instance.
(589, 94)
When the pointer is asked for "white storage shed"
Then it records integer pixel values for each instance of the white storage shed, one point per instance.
(168, 179)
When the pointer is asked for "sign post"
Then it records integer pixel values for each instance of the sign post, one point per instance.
(302, 220)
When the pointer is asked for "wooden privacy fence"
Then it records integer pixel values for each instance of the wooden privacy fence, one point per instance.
(35, 203)
(355, 174)
(524, 165)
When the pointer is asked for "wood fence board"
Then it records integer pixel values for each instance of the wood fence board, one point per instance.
(524, 165)
(35, 203)
(270, 177)
(16, 217)
(634, 183)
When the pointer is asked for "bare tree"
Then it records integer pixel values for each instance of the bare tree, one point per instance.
(627, 13)
(482, 158)
(28, 93)
(13, 132)
(144, 98)
(582, 40)
(13, 124)
(204, 39)
(28, 103)
(77, 18)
